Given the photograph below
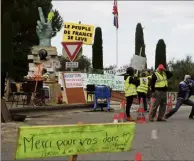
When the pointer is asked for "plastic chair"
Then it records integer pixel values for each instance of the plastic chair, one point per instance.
(90, 88)
(15, 93)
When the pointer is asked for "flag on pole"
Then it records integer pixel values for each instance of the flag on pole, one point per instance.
(115, 13)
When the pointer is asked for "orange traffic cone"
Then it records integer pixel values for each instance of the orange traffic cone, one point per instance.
(122, 115)
(122, 104)
(169, 104)
(140, 116)
(115, 119)
(150, 108)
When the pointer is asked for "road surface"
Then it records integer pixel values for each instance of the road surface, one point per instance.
(175, 137)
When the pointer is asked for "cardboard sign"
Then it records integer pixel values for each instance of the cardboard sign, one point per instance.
(138, 62)
(74, 88)
(73, 80)
(78, 32)
(63, 140)
(173, 97)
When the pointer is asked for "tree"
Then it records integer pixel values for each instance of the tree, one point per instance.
(84, 64)
(180, 68)
(160, 57)
(19, 20)
(139, 41)
(97, 50)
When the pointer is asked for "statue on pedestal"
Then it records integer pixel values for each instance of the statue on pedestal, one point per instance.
(44, 29)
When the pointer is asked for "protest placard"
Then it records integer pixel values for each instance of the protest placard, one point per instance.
(78, 32)
(138, 62)
(64, 140)
(73, 80)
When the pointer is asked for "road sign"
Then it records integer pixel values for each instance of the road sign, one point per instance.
(71, 65)
(72, 49)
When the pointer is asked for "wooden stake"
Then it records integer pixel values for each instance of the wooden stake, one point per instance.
(74, 157)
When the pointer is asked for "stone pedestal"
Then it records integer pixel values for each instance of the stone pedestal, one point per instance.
(51, 63)
(55, 90)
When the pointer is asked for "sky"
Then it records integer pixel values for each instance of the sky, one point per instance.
(172, 21)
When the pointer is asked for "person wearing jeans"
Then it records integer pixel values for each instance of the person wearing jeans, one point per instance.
(130, 90)
(185, 91)
(142, 89)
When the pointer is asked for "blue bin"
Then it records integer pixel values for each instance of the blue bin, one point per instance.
(102, 92)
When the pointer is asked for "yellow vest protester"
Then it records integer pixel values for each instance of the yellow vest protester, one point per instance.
(143, 87)
(130, 89)
(161, 80)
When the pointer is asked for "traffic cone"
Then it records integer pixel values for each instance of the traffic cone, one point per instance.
(122, 115)
(140, 116)
(122, 104)
(138, 157)
(150, 108)
(169, 104)
(115, 119)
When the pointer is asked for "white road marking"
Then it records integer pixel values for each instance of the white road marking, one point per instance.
(154, 134)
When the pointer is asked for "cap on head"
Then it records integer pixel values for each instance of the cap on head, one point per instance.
(143, 74)
(161, 67)
(187, 77)
(130, 71)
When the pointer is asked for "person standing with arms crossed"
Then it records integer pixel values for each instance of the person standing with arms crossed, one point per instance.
(130, 90)
(159, 87)
(142, 89)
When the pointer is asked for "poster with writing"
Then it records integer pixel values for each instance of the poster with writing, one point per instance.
(53, 141)
(73, 80)
(115, 82)
(138, 62)
(78, 32)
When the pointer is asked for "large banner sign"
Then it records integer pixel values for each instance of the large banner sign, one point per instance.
(78, 32)
(66, 140)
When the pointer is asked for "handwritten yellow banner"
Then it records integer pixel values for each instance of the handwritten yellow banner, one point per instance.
(52, 141)
(78, 32)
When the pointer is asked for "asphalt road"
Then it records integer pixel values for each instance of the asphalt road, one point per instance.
(175, 137)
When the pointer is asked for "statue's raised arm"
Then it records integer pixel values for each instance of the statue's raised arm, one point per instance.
(44, 29)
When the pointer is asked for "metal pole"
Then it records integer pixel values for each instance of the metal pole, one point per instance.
(117, 56)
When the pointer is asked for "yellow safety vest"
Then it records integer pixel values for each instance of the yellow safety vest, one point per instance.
(161, 80)
(143, 87)
(130, 89)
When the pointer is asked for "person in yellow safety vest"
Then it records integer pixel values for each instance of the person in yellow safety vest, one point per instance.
(142, 89)
(149, 76)
(130, 90)
(159, 87)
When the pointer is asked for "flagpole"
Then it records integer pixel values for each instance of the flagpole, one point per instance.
(117, 55)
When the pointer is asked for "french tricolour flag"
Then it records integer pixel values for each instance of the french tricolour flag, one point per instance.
(115, 13)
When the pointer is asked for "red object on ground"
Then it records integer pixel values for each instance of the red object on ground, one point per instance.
(116, 117)
(60, 99)
(138, 157)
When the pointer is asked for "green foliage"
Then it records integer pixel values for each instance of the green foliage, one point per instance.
(160, 55)
(139, 40)
(84, 64)
(180, 68)
(97, 50)
(21, 32)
